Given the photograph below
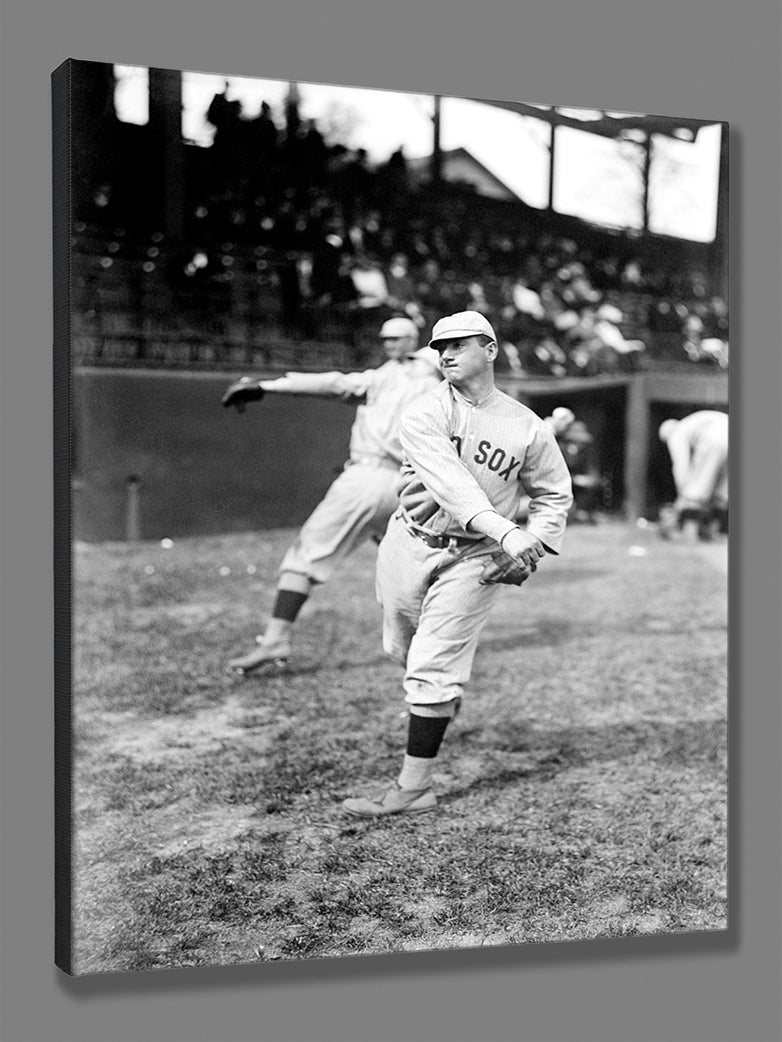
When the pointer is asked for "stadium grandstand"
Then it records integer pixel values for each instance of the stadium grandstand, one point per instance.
(278, 247)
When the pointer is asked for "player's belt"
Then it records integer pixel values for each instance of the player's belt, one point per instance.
(372, 461)
(440, 542)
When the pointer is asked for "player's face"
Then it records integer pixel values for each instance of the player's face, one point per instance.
(464, 358)
(396, 347)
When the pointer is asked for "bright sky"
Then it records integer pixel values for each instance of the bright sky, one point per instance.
(596, 178)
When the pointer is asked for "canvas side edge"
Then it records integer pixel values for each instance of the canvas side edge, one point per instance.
(61, 358)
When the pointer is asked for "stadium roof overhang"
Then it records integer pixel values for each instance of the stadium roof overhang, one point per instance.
(607, 124)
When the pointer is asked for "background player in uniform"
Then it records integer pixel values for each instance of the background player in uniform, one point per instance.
(360, 501)
(471, 451)
(578, 447)
(698, 446)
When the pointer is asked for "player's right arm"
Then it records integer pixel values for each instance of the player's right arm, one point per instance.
(426, 440)
(433, 456)
(330, 385)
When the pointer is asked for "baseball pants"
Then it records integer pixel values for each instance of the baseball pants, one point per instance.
(356, 507)
(433, 611)
(707, 480)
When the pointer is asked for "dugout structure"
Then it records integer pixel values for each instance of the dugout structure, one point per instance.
(648, 399)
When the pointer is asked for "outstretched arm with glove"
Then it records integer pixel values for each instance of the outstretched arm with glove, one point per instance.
(349, 386)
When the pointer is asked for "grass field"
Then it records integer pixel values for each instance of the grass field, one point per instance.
(583, 786)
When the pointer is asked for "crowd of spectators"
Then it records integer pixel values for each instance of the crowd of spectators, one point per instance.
(278, 215)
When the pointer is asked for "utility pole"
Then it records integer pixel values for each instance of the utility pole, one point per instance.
(165, 127)
(646, 173)
(552, 153)
(719, 263)
(437, 154)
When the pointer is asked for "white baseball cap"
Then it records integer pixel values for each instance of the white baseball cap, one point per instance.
(428, 355)
(395, 327)
(563, 415)
(666, 429)
(463, 323)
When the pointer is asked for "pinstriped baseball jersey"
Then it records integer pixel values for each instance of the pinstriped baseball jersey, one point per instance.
(485, 456)
(386, 391)
(361, 499)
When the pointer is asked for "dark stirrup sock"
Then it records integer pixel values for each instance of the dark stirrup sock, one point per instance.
(425, 735)
(288, 604)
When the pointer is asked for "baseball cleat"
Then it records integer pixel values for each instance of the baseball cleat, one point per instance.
(276, 655)
(395, 801)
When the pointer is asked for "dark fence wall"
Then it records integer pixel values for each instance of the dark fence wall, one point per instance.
(155, 455)
(201, 469)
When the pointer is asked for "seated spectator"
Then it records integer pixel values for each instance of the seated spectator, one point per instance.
(477, 298)
(594, 344)
(327, 260)
(546, 358)
(698, 348)
(716, 320)
(399, 282)
(370, 283)
(576, 289)
(607, 329)
(430, 289)
(715, 350)
(527, 301)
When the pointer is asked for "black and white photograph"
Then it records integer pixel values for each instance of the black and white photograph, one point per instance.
(393, 484)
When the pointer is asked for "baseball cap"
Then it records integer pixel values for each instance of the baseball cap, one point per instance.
(395, 327)
(667, 427)
(463, 323)
(428, 355)
(563, 414)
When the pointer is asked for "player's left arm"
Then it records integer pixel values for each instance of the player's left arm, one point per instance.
(352, 387)
(330, 385)
(545, 476)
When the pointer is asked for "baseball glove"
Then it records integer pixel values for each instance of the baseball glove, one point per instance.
(501, 568)
(242, 391)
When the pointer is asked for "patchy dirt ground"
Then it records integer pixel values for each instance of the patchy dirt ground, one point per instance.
(583, 787)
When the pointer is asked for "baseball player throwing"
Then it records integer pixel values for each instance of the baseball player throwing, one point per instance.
(471, 452)
(360, 501)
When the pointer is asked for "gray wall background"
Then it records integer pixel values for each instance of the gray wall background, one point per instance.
(707, 58)
(202, 469)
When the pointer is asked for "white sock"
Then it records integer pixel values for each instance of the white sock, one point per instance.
(277, 631)
(416, 772)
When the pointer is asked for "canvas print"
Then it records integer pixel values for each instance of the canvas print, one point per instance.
(391, 534)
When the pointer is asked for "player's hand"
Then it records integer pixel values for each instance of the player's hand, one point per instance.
(247, 389)
(523, 547)
(501, 569)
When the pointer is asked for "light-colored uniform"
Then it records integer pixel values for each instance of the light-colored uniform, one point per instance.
(698, 445)
(360, 501)
(470, 458)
